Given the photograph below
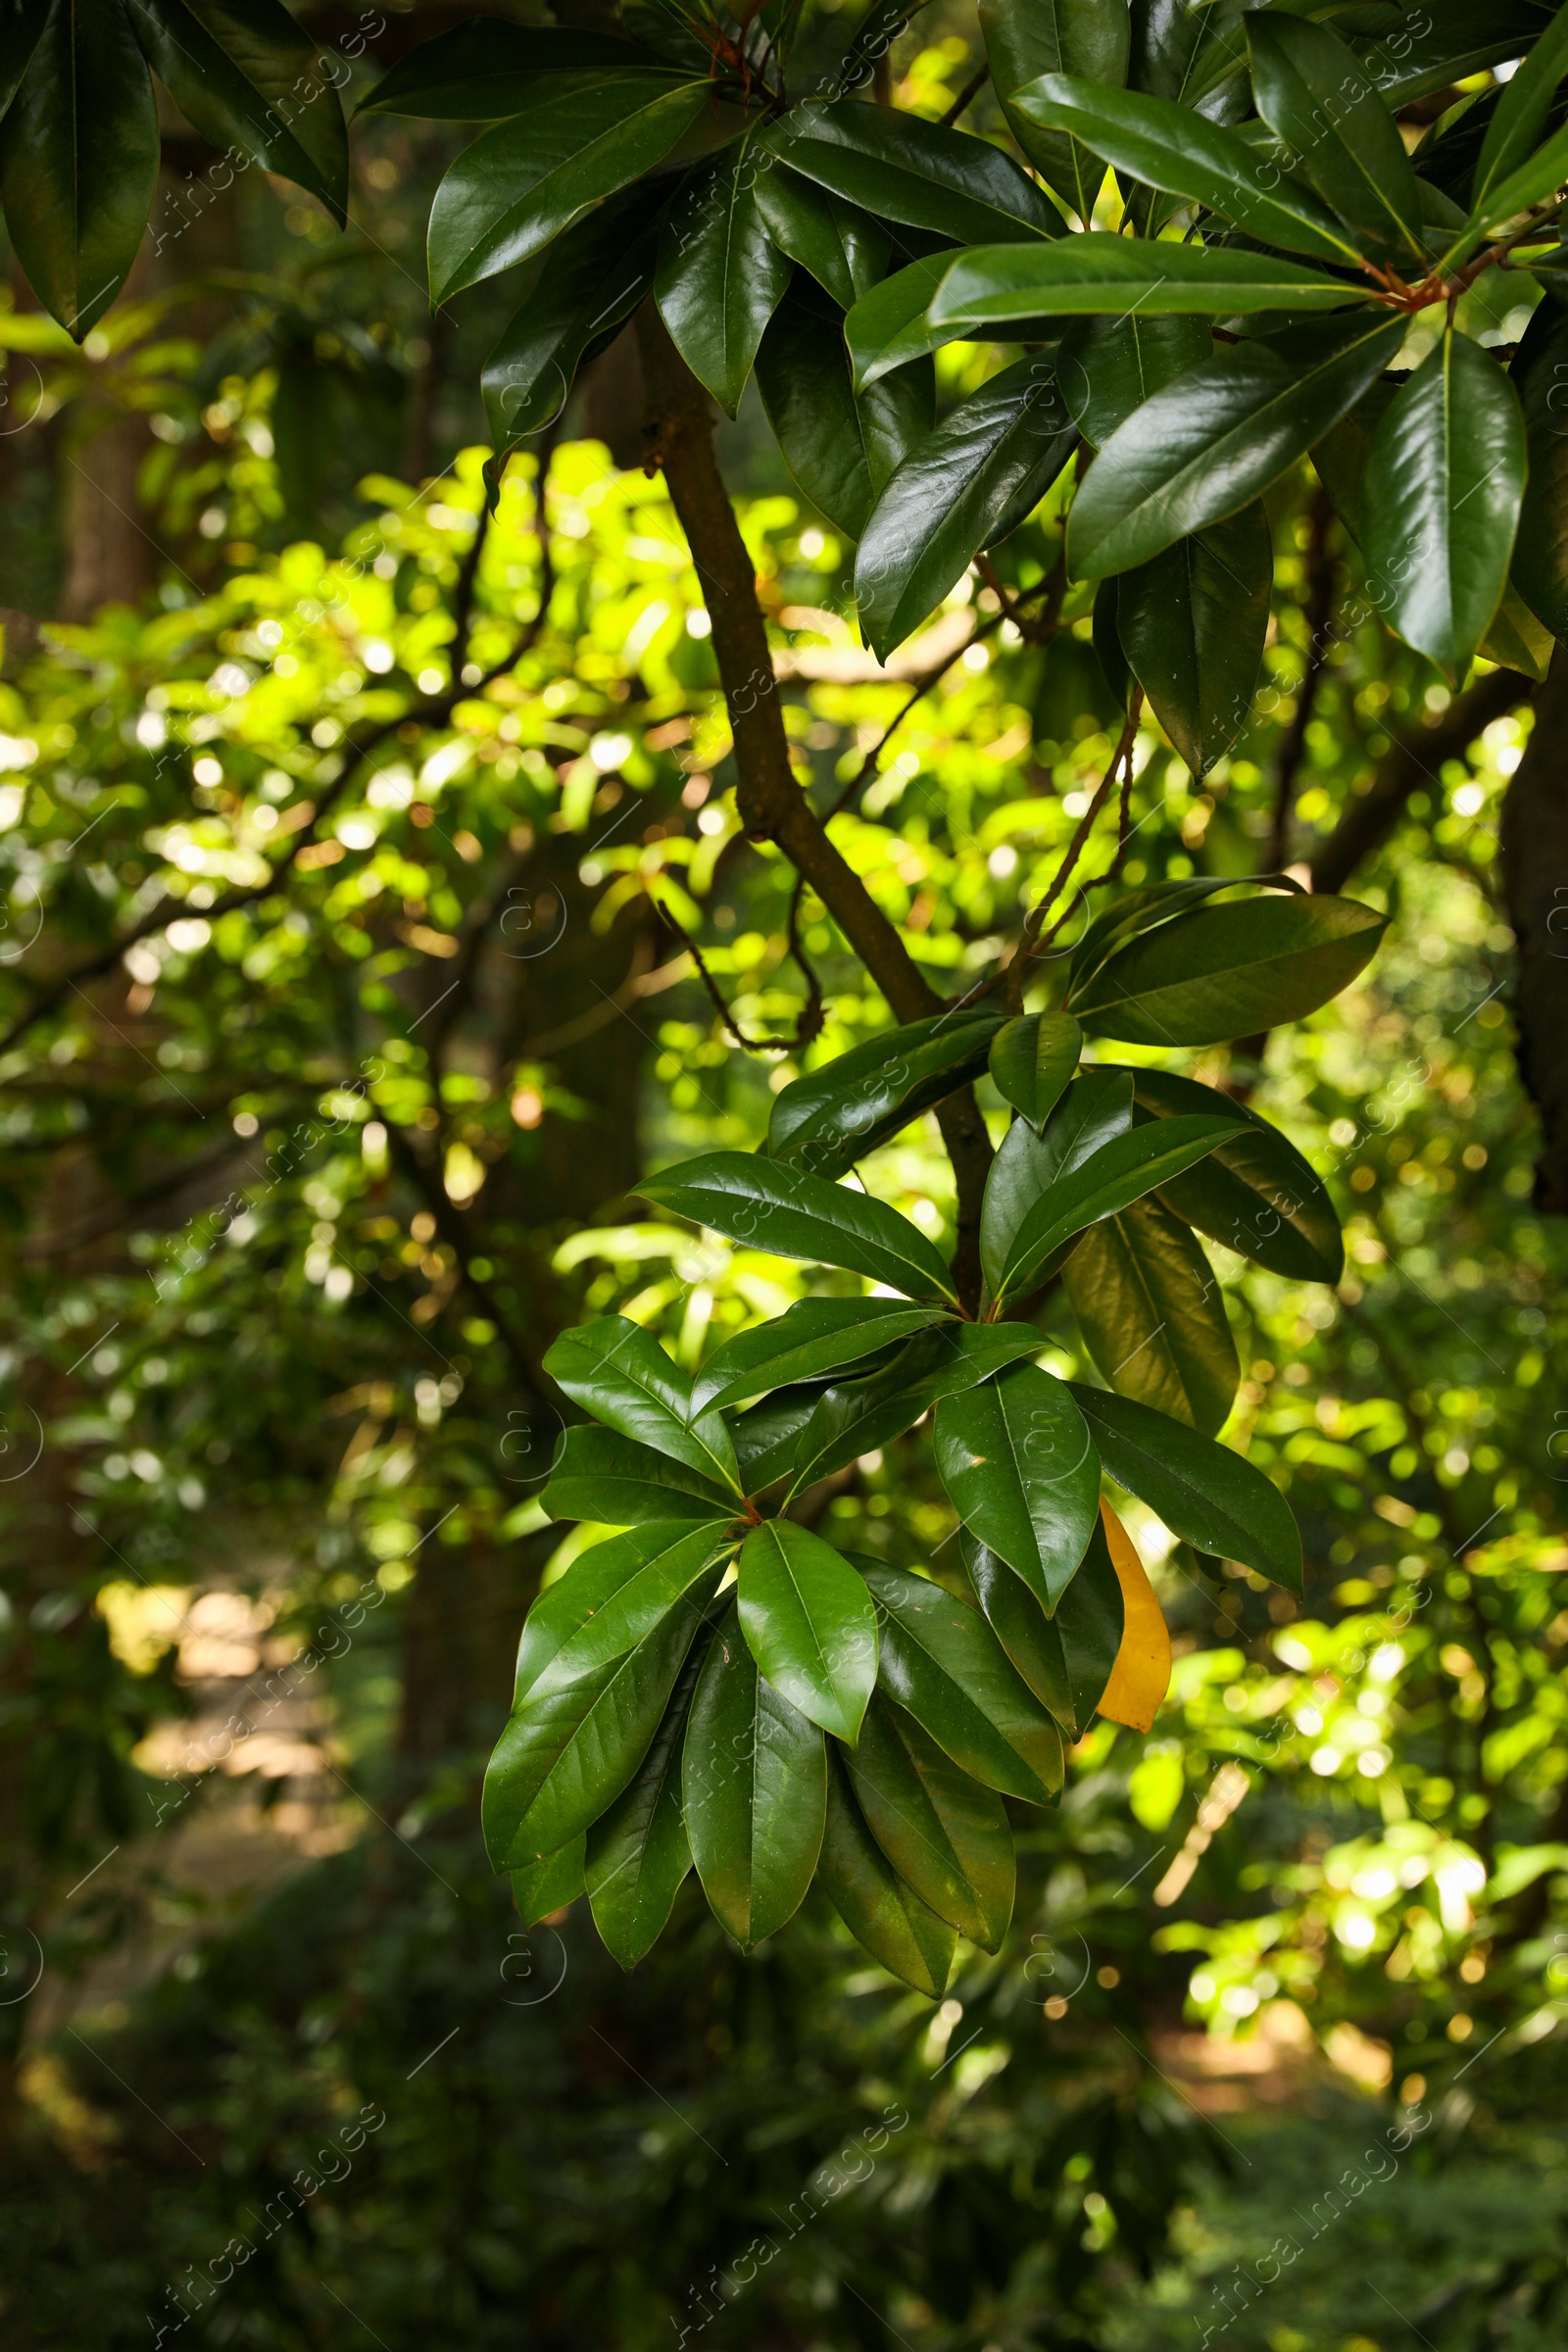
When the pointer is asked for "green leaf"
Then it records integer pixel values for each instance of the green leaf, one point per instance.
(1108, 366)
(1313, 94)
(903, 168)
(945, 1835)
(1521, 110)
(1516, 639)
(1097, 1105)
(1210, 1498)
(1031, 1060)
(617, 1591)
(878, 1908)
(941, 1660)
(986, 468)
(1170, 147)
(619, 1372)
(551, 1885)
(21, 26)
(614, 1481)
(767, 1438)
(1539, 177)
(1220, 435)
(584, 1724)
(1065, 1658)
(577, 138)
(1017, 1462)
(840, 449)
(78, 160)
(754, 1778)
(720, 277)
(1193, 622)
(808, 1624)
(1026, 38)
(482, 71)
(1446, 42)
(1340, 458)
(1120, 1173)
(794, 1215)
(1444, 486)
(1230, 971)
(856, 1417)
(888, 327)
(993, 284)
(591, 278)
(1255, 1194)
(1153, 1315)
(828, 1120)
(813, 1337)
(245, 75)
(845, 250)
(637, 1853)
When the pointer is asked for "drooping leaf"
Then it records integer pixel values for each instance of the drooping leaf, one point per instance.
(541, 1888)
(890, 327)
(845, 250)
(810, 1624)
(1065, 1658)
(1152, 1315)
(1513, 132)
(617, 1589)
(1229, 971)
(942, 1662)
(1018, 1462)
(1138, 911)
(1444, 482)
(591, 278)
(618, 1372)
(811, 1339)
(1193, 622)
(576, 138)
(637, 1853)
(1340, 458)
(857, 1416)
(876, 1905)
(1120, 1173)
(1097, 1105)
(1141, 1676)
(78, 160)
(965, 486)
(1026, 38)
(768, 1439)
(1313, 94)
(945, 1835)
(1255, 1194)
(614, 1481)
(1031, 1060)
(22, 26)
(1108, 366)
(1221, 435)
(248, 78)
(903, 168)
(1446, 42)
(720, 277)
(1211, 1498)
(842, 448)
(1544, 173)
(1516, 639)
(485, 70)
(995, 284)
(753, 1780)
(827, 1120)
(798, 1215)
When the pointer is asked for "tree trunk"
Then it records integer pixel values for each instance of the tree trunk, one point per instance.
(1533, 838)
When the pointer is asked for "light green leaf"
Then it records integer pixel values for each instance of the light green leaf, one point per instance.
(1153, 1315)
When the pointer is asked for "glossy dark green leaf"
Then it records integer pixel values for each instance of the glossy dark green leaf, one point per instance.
(1516, 640)
(618, 1372)
(1220, 435)
(841, 448)
(579, 1732)
(1169, 147)
(753, 1781)
(827, 1120)
(1340, 458)
(1138, 911)
(794, 1215)
(1190, 54)
(888, 327)
(1026, 38)
(600, 1476)
(1120, 1173)
(1031, 1060)
(551, 1885)
(876, 1905)
(903, 168)
(945, 1835)
(1211, 1498)
(941, 1660)
(591, 278)
(616, 1590)
(482, 71)
(577, 139)
(1108, 655)
(857, 1417)
(1065, 1658)
(1073, 276)
(251, 80)
(768, 1439)
(973, 480)
(1446, 42)
(720, 277)
(810, 1624)
(1018, 1464)
(1230, 971)
(1108, 366)
(78, 160)
(22, 26)
(637, 1853)
(845, 250)
(1193, 622)
(1313, 94)
(1440, 503)
(1533, 181)
(1520, 116)
(1153, 1315)
(1255, 1194)
(1096, 1105)
(811, 1339)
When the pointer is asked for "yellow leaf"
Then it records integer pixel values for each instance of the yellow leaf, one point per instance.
(1141, 1676)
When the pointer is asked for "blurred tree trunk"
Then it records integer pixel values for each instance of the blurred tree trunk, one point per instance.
(1534, 836)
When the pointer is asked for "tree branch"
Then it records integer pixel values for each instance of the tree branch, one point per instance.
(1534, 839)
(1410, 761)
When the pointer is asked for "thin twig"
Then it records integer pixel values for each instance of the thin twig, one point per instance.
(966, 96)
(809, 1021)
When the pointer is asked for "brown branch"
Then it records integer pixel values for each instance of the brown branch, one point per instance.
(966, 96)
(809, 1021)
(1013, 975)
